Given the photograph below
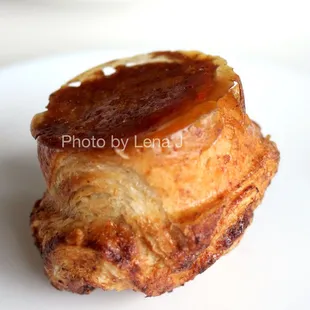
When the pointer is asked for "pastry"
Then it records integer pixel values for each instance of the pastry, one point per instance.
(153, 170)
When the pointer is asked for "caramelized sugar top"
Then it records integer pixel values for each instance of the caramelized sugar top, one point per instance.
(135, 100)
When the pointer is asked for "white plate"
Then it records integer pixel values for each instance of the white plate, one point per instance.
(268, 270)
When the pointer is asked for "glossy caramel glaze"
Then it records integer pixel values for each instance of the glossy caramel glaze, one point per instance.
(134, 100)
(149, 218)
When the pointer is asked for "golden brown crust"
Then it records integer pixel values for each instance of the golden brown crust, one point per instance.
(152, 218)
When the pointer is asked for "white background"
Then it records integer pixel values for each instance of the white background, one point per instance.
(278, 30)
(268, 42)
